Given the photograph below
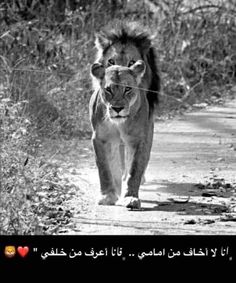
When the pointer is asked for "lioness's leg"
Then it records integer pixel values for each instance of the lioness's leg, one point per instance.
(138, 157)
(137, 167)
(104, 153)
(114, 160)
(123, 162)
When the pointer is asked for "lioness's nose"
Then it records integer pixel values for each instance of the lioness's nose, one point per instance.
(117, 109)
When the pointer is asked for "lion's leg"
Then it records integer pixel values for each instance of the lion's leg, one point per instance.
(103, 157)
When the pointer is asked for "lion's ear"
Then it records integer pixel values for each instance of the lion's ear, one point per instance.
(98, 70)
(101, 41)
(138, 68)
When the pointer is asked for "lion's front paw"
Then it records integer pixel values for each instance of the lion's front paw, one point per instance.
(130, 202)
(109, 199)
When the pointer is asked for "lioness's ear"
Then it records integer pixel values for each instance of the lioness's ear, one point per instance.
(101, 41)
(97, 70)
(138, 68)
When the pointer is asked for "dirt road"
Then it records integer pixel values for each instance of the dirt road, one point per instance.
(190, 182)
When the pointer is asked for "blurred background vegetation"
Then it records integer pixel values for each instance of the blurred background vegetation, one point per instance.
(46, 48)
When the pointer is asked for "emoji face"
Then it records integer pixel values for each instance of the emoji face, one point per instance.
(10, 251)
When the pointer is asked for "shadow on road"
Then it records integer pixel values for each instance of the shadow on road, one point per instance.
(189, 208)
(182, 198)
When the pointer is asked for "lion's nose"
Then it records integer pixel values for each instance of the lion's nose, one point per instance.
(117, 109)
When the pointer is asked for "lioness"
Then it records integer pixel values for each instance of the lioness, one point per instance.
(126, 84)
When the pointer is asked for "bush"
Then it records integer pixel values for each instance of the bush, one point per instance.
(196, 45)
(30, 188)
(17, 178)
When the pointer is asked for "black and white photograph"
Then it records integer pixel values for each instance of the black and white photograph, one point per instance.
(118, 118)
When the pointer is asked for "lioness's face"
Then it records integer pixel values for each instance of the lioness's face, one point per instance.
(119, 88)
(119, 93)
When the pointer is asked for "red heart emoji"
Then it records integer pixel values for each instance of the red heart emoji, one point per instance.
(23, 251)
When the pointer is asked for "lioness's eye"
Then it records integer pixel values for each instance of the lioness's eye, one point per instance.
(111, 62)
(127, 89)
(131, 62)
(108, 89)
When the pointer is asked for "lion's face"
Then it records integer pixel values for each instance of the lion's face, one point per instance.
(121, 54)
(10, 251)
(119, 89)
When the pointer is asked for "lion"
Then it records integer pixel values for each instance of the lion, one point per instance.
(10, 251)
(126, 84)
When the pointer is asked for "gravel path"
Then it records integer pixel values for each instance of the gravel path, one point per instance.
(190, 182)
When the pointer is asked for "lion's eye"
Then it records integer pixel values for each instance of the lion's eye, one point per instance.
(108, 89)
(127, 89)
(131, 62)
(111, 62)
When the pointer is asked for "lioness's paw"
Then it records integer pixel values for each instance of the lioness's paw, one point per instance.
(109, 199)
(130, 202)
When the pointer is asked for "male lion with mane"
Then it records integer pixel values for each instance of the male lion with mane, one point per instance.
(126, 85)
